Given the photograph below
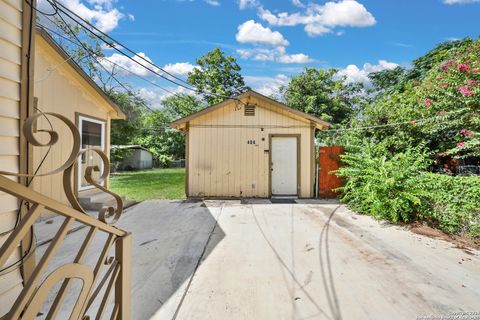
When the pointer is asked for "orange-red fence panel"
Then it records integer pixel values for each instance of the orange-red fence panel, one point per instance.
(329, 160)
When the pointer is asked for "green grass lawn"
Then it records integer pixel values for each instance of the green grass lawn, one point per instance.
(149, 184)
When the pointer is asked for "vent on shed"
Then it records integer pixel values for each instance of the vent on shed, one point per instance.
(250, 110)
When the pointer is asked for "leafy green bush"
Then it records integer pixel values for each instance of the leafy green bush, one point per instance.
(451, 203)
(395, 187)
(382, 184)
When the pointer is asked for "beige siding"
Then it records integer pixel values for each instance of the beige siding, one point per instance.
(10, 76)
(221, 163)
(65, 92)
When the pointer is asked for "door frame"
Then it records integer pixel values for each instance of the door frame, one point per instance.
(284, 135)
(79, 117)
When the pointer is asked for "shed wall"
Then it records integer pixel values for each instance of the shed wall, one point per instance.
(11, 26)
(222, 164)
(138, 160)
(61, 91)
(146, 159)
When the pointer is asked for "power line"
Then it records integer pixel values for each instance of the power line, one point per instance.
(414, 122)
(55, 3)
(393, 124)
(93, 55)
(101, 65)
(63, 9)
(67, 12)
(51, 14)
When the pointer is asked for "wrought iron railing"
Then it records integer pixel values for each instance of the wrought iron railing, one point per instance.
(109, 274)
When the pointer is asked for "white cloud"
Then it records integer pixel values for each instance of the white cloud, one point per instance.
(154, 95)
(459, 1)
(215, 3)
(298, 3)
(254, 33)
(244, 53)
(243, 4)
(179, 68)
(268, 86)
(294, 58)
(270, 45)
(352, 73)
(100, 13)
(128, 64)
(321, 19)
(276, 54)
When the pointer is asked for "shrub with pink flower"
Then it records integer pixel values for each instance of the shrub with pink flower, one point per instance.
(465, 132)
(465, 90)
(460, 144)
(428, 102)
(463, 67)
(446, 65)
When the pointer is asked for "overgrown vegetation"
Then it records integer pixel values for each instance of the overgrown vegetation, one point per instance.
(419, 115)
(396, 187)
(450, 203)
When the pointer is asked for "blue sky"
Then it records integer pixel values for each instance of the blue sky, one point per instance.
(274, 40)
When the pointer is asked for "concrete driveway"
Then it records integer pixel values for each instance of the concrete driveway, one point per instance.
(312, 260)
(321, 261)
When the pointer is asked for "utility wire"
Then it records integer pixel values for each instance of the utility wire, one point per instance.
(69, 14)
(63, 9)
(415, 122)
(72, 33)
(412, 122)
(97, 57)
(94, 56)
(50, 14)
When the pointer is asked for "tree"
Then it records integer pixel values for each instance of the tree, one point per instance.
(386, 81)
(87, 51)
(217, 77)
(321, 93)
(446, 87)
(125, 131)
(164, 142)
(181, 105)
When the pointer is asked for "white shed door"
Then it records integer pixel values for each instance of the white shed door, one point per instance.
(284, 166)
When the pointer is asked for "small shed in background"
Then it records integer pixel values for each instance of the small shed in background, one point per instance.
(138, 158)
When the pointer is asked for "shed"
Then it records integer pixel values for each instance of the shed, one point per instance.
(61, 86)
(250, 146)
(138, 159)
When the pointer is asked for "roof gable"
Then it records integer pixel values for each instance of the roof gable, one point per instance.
(244, 99)
(117, 112)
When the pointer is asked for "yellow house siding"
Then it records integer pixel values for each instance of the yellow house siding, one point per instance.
(221, 163)
(10, 77)
(62, 91)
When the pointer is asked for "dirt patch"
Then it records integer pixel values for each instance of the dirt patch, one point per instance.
(461, 242)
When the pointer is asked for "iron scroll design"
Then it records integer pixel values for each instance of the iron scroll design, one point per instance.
(107, 214)
(105, 274)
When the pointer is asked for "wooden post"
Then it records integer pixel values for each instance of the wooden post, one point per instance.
(123, 286)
